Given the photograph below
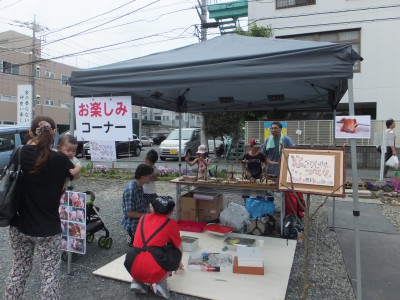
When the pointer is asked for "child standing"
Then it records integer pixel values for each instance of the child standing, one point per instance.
(149, 189)
(202, 161)
(68, 144)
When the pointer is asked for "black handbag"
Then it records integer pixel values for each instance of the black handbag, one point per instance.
(167, 257)
(10, 180)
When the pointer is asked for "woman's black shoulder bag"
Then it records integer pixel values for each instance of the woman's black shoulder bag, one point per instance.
(9, 189)
(167, 257)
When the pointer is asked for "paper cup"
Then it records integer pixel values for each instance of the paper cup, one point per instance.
(260, 243)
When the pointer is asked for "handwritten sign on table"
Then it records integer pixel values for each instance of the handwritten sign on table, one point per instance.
(311, 169)
(318, 171)
(102, 151)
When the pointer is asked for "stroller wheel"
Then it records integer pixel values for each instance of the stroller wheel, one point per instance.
(108, 243)
(90, 238)
(102, 242)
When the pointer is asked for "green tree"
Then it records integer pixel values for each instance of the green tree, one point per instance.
(257, 31)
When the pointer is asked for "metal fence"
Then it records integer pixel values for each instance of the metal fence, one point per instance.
(317, 133)
(320, 133)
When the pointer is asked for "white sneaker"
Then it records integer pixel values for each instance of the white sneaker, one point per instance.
(139, 288)
(161, 289)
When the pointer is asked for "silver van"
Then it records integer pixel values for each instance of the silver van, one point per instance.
(10, 138)
(190, 141)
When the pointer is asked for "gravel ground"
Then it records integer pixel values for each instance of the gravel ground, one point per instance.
(328, 276)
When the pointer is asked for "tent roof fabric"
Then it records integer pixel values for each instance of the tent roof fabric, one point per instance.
(228, 73)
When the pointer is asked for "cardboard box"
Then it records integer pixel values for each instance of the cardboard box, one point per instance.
(246, 270)
(187, 207)
(210, 210)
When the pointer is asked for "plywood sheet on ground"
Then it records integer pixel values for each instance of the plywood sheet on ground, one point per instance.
(278, 260)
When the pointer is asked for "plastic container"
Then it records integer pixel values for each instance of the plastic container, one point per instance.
(191, 226)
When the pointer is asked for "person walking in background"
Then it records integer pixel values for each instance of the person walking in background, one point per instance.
(38, 223)
(133, 204)
(149, 189)
(390, 139)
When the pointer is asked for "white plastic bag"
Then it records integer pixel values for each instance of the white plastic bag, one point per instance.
(235, 216)
(393, 162)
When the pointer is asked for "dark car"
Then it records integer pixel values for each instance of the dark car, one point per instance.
(11, 137)
(121, 148)
(158, 139)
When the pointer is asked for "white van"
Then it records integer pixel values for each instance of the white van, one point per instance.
(190, 141)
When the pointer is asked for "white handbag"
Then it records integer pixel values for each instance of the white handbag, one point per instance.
(393, 162)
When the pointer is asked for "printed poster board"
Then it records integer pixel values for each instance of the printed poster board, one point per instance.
(103, 118)
(24, 104)
(313, 171)
(353, 127)
(72, 212)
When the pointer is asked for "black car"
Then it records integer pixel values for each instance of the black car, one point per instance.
(158, 139)
(133, 147)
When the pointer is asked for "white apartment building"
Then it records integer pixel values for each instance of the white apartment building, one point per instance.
(370, 26)
(170, 119)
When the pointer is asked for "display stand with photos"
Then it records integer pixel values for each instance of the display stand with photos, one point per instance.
(72, 212)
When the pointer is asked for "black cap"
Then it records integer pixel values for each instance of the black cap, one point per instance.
(163, 205)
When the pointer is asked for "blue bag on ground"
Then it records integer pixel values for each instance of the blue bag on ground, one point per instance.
(258, 207)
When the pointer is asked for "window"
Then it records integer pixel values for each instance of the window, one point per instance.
(352, 37)
(157, 118)
(7, 122)
(8, 98)
(9, 68)
(65, 105)
(7, 142)
(64, 79)
(49, 102)
(293, 3)
(49, 74)
(37, 74)
(134, 115)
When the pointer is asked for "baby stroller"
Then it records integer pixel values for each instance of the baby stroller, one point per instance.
(94, 223)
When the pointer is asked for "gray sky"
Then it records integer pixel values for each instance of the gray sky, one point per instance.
(135, 29)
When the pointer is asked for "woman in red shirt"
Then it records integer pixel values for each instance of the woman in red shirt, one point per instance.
(145, 268)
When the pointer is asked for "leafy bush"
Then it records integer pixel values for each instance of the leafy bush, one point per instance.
(389, 186)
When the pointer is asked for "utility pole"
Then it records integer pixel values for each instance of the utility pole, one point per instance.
(34, 67)
(203, 19)
(203, 38)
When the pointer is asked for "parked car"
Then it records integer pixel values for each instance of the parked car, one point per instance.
(158, 139)
(121, 147)
(146, 141)
(11, 137)
(190, 141)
